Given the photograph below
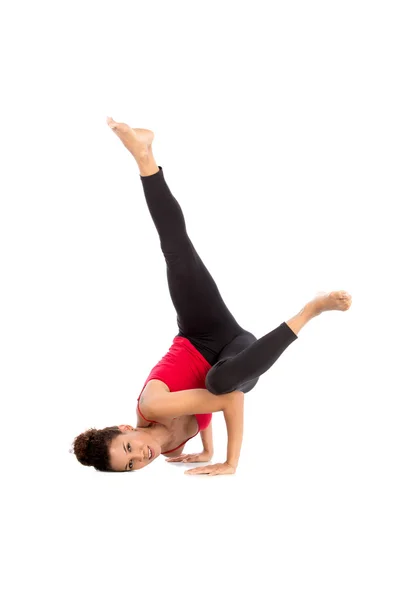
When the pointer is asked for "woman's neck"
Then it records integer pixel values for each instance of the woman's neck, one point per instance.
(159, 433)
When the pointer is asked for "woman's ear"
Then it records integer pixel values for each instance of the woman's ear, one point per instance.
(124, 428)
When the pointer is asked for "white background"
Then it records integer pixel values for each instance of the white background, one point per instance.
(277, 125)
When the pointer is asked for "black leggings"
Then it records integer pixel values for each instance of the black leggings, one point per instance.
(237, 357)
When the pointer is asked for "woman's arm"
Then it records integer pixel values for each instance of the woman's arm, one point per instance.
(233, 415)
(168, 405)
(207, 439)
(160, 405)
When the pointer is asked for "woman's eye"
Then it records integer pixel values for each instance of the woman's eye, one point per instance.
(129, 447)
(131, 464)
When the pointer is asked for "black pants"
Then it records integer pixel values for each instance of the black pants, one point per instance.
(237, 357)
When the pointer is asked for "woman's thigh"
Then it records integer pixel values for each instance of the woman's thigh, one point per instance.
(217, 378)
(201, 312)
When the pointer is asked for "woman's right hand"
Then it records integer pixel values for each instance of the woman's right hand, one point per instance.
(204, 456)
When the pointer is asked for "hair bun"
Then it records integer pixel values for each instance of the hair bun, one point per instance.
(83, 447)
(91, 448)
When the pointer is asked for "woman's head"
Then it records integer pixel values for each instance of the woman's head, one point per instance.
(119, 448)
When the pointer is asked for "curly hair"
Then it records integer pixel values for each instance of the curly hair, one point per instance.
(91, 448)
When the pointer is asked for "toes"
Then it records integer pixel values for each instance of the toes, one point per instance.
(343, 295)
(118, 127)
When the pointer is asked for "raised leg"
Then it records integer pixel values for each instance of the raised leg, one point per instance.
(240, 371)
(201, 312)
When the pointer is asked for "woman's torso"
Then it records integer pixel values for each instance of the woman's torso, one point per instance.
(180, 428)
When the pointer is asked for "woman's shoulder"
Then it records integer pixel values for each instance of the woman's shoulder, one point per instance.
(152, 390)
(154, 386)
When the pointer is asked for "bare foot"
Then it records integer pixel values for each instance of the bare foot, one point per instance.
(137, 141)
(331, 301)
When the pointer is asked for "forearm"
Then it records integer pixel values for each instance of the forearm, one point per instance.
(233, 414)
(207, 439)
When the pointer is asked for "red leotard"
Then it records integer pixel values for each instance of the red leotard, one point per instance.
(182, 368)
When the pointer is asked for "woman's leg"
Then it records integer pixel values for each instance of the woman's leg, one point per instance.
(200, 308)
(201, 311)
(240, 369)
(223, 376)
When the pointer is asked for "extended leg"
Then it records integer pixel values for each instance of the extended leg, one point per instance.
(201, 312)
(239, 372)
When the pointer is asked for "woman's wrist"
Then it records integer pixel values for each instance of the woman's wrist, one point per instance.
(233, 414)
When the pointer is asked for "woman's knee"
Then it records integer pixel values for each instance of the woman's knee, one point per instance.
(215, 385)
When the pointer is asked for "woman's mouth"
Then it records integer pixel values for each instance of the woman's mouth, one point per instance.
(150, 453)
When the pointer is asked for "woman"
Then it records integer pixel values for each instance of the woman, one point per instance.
(212, 362)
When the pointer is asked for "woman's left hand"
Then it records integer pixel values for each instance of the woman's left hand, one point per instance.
(218, 469)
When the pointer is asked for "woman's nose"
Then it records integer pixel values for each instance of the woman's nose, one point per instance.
(139, 454)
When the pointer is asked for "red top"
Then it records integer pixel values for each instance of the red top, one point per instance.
(182, 368)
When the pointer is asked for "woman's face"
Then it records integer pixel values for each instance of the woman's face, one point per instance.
(133, 449)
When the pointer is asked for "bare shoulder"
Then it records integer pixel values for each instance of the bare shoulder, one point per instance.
(154, 388)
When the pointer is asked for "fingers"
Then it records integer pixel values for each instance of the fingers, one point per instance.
(177, 458)
(217, 469)
(191, 458)
(184, 458)
(198, 471)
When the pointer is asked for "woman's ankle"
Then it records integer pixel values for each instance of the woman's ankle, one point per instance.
(297, 323)
(146, 163)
